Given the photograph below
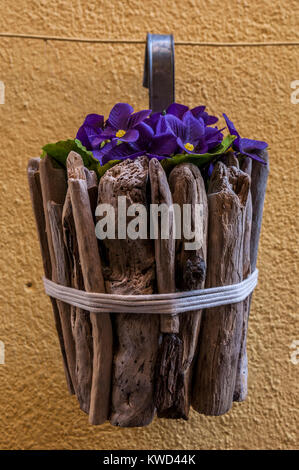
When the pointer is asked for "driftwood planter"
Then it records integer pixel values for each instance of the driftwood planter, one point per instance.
(127, 367)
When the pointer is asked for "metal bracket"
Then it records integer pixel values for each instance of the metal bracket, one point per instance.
(159, 70)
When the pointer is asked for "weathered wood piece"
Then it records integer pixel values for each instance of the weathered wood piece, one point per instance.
(93, 282)
(61, 276)
(230, 159)
(80, 319)
(170, 351)
(38, 210)
(187, 187)
(130, 269)
(221, 330)
(259, 176)
(54, 187)
(240, 392)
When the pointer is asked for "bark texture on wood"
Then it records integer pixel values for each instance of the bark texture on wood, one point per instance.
(81, 324)
(187, 187)
(221, 330)
(54, 187)
(130, 269)
(61, 276)
(93, 282)
(170, 351)
(259, 177)
(38, 210)
(240, 392)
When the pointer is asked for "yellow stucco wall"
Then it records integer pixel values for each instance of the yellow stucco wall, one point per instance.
(49, 88)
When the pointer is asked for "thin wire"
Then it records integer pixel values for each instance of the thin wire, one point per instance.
(137, 41)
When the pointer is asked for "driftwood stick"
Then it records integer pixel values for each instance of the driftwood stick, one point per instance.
(38, 210)
(54, 187)
(240, 392)
(187, 187)
(170, 351)
(230, 159)
(61, 276)
(81, 325)
(259, 177)
(130, 269)
(93, 282)
(221, 330)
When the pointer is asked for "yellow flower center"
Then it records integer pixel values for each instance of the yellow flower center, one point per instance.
(120, 133)
(189, 146)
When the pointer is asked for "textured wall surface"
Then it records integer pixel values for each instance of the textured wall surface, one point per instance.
(49, 87)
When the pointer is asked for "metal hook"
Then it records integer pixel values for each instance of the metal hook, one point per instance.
(159, 70)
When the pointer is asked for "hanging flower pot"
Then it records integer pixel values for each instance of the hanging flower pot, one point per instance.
(149, 225)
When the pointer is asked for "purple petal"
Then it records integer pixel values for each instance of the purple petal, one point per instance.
(177, 110)
(94, 120)
(87, 135)
(164, 144)
(210, 120)
(198, 111)
(176, 126)
(100, 153)
(136, 118)
(250, 144)
(162, 125)
(119, 116)
(130, 136)
(252, 148)
(212, 131)
(231, 127)
(202, 146)
(121, 152)
(82, 136)
(98, 156)
(213, 137)
(195, 128)
(152, 120)
(92, 126)
(146, 134)
(106, 134)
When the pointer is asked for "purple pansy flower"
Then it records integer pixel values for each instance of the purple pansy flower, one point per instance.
(189, 131)
(177, 109)
(126, 134)
(90, 129)
(199, 112)
(212, 137)
(121, 124)
(249, 147)
(153, 145)
(157, 144)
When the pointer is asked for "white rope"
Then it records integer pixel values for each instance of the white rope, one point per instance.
(169, 304)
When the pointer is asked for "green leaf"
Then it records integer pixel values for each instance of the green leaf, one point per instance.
(198, 159)
(60, 150)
